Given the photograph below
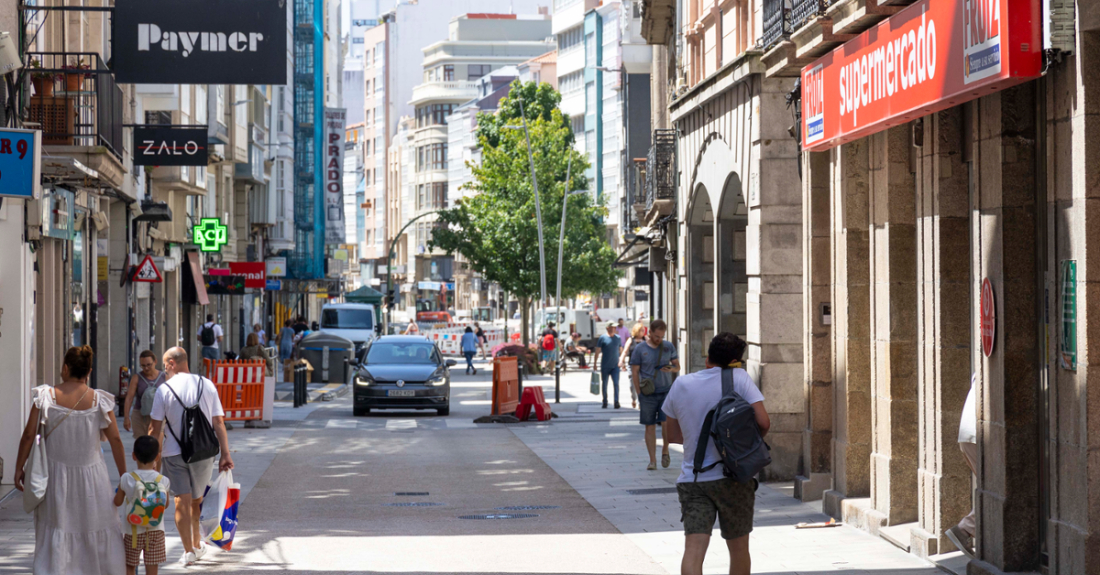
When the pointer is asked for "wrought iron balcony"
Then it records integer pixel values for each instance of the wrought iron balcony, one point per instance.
(661, 168)
(777, 25)
(805, 11)
(76, 101)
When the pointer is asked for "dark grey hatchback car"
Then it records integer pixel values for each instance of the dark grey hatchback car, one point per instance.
(402, 372)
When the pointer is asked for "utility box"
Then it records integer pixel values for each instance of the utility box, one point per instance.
(329, 355)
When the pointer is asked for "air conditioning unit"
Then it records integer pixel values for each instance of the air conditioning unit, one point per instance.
(1060, 25)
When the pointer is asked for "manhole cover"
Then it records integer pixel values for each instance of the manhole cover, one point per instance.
(652, 491)
(410, 493)
(500, 516)
(528, 507)
(413, 504)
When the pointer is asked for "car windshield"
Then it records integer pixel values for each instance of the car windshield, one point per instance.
(335, 318)
(394, 352)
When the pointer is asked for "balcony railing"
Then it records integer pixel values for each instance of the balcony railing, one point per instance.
(804, 11)
(454, 90)
(661, 168)
(776, 22)
(76, 101)
(635, 195)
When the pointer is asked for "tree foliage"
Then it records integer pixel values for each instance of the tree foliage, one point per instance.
(495, 230)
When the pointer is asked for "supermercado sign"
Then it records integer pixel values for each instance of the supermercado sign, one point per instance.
(933, 55)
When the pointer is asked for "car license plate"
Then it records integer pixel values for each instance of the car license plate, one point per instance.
(401, 393)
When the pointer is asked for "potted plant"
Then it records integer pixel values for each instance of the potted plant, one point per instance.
(42, 81)
(74, 75)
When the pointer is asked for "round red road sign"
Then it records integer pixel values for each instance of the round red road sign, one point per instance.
(989, 318)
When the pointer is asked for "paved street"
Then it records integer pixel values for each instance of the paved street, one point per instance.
(322, 496)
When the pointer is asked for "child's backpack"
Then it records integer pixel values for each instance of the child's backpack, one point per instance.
(147, 510)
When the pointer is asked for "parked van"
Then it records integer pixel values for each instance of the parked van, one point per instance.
(353, 321)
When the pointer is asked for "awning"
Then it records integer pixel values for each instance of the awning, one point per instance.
(365, 294)
(194, 289)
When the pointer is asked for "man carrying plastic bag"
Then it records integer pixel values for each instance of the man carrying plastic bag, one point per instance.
(218, 520)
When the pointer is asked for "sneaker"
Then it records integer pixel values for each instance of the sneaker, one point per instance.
(187, 559)
(605, 405)
(201, 550)
(961, 541)
(617, 406)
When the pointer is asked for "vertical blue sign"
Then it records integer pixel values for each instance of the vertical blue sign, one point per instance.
(20, 163)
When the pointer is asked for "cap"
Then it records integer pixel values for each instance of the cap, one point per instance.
(612, 324)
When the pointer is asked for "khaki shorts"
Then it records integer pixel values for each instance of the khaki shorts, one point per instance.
(187, 478)
(140, 424)
(731, 501)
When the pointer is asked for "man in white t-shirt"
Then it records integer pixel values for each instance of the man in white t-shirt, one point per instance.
(962, 535)
(210, 335)
(712, 494)
(188, 479)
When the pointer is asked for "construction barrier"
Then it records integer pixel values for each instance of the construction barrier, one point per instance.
(240, 386)
(505, 385)
(533, 399)
(448, 337)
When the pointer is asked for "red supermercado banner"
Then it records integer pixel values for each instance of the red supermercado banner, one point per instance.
(933, 55)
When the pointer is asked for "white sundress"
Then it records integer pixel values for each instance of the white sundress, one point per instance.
(76, 528)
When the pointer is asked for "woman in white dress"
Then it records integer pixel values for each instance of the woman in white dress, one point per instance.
(76, 528)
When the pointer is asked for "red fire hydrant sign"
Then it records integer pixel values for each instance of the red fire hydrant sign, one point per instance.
(989, 318)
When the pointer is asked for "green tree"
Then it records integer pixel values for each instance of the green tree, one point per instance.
(495, 230)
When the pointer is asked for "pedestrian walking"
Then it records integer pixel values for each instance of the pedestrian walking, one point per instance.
(469, 349)
(482, 341)
(608, 345)
(143, 494)
(637, 336)
(210, 336)
(252, 348)
(300, 324)
(962, 535)
(76, 529)
(710, 493)
(286, 341)
(623, 332)
(412, 328)
(137, 407)
(653, 365)
(549, 345)
(260, 334)
(176, 400)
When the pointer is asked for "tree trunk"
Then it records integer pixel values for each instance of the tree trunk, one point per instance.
(524, 321)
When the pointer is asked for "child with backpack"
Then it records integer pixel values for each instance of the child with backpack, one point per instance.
(143, 495)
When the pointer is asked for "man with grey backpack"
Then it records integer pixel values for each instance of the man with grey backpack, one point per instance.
(188, 407)
(717, 474)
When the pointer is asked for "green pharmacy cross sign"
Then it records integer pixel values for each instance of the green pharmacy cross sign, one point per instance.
(210, 235)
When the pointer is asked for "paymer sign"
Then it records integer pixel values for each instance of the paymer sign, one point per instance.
(930, 56)
(200, 42)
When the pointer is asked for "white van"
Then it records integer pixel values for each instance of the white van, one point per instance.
(353, 321)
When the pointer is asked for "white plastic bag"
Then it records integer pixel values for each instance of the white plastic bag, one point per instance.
(218, 516)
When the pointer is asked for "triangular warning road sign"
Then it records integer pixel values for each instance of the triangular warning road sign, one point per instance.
(148, 272)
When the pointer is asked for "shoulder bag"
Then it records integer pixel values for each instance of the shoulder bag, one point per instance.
(648, 385)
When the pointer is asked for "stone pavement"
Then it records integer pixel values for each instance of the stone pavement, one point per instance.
(601, 454)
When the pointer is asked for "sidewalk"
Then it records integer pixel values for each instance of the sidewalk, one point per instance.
(601, 454)
(253, 451)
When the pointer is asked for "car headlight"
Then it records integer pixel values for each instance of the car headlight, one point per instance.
(437, 380)
(364, 379)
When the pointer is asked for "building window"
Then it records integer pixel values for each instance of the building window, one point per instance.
(571, 82)
(475, 71)
(433, 115)
(449, 73)
(431, 196)
(431, 157)
(577, 124)
(570, 39)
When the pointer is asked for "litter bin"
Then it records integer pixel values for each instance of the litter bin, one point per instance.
(329, 355)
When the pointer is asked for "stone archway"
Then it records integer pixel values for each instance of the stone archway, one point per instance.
(731, 274)
(700, 304)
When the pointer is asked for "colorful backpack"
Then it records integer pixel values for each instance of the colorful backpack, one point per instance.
(150, 502)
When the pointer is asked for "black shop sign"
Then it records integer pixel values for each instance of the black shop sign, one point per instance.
(161, 146)
(200, 42)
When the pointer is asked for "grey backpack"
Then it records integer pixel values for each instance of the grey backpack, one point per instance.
(732, 426)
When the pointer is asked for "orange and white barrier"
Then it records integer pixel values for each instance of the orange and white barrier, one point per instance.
(240, 387)
(449, 339)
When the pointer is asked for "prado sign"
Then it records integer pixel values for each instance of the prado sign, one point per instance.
(931, 56)
(200, 42)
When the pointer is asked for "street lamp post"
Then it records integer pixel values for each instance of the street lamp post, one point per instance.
(538, 206)
(389, 265)
(557, 295)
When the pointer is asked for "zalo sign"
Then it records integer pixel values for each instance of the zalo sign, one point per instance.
(20, 163)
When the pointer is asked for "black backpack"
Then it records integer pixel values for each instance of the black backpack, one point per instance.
(197, 442)
(207, 335)
(732, 425)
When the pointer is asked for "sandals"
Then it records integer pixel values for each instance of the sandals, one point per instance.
(665, 460)
(651, 467)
